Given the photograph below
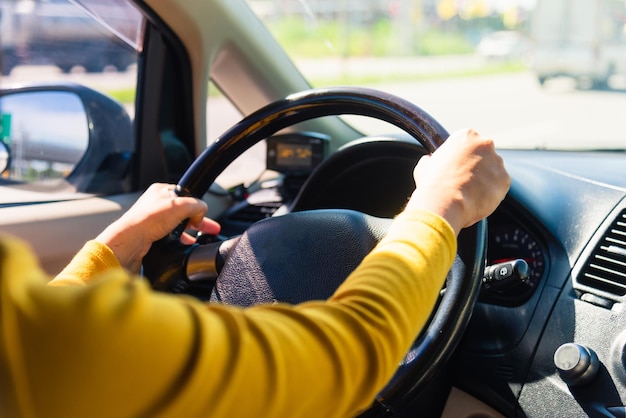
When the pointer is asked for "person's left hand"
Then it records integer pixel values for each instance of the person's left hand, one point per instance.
(155, 214)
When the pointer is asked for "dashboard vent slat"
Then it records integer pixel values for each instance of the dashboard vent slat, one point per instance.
(605, 270)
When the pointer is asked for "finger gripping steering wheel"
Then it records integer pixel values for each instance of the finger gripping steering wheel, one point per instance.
(255, 262)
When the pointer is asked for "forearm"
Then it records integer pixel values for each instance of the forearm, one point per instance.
(349, 346)
(395, 289)
(332, 356)
(406, 271)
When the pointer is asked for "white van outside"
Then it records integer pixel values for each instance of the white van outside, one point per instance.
(586, 42)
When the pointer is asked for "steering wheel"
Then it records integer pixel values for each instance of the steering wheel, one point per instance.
(253, 268)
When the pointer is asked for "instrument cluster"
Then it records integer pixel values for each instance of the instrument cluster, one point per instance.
(509, 241)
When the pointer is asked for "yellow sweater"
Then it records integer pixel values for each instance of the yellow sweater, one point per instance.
(111, 347)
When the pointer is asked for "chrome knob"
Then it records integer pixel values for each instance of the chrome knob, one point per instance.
(576, 364)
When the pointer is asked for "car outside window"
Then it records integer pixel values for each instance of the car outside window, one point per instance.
(529, 73)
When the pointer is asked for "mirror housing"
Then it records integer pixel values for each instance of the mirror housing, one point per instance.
(103, 164)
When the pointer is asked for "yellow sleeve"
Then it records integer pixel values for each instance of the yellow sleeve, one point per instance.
(116, 348)
(92, 260)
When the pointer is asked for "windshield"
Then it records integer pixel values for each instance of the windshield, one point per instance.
(529, 73)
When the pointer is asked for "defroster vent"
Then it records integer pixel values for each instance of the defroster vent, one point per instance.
(605, 269)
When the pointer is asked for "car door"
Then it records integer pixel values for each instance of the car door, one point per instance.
(99, 100)
(66, 124)
(138, 73)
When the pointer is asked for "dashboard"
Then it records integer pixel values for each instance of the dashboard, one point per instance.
(558, 211)
(555, 217)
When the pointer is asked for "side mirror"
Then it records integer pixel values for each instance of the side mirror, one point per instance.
(66, 132)
(5, 157)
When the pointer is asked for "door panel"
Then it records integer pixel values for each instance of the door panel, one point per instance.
(57, 230)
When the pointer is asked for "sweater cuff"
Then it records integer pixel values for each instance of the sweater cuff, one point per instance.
(92, 259)
(431, 219)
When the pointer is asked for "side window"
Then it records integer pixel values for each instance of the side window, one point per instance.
(222, 115)
(61, 34)
(67, 92)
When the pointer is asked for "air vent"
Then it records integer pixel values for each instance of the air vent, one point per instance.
(606, 268)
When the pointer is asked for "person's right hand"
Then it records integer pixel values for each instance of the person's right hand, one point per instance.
(463, 181)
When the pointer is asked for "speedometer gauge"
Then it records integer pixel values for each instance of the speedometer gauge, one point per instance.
(511, 242)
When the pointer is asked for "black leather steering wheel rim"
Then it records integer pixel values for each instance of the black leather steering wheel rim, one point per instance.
(437, 342)
(303, 106)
